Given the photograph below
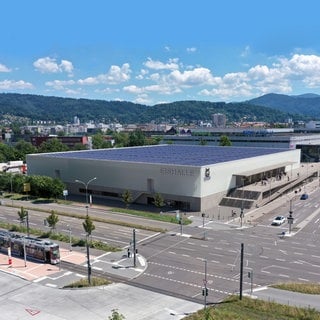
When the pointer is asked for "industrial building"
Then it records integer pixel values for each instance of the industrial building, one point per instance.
(192, 178)
(305, 140)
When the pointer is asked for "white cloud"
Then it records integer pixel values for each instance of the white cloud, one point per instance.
(197, 76)
(172, 64)
(66, 66)
(89, 81)
(133, 89)
(118, 74)
(108, 90)
(302, 67)
(143, 99)
(14, 85)
(142, 74)
(3, 68)
(245, 52)
(191, 50)
(72, 92)
(59, 84)
(114, 76)
(280, 76)
(50, 65)
(168, 78)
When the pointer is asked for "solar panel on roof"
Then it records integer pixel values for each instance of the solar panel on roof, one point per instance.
(169, 154)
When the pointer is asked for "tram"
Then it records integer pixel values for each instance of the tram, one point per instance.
(33, 248)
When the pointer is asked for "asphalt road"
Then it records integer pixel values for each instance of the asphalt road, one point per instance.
(179, 264)
(116, 235)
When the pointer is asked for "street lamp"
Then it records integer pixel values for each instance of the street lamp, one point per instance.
(241, 212)
(70, 239)
(86, 184)
(205, 288)
(88, 233)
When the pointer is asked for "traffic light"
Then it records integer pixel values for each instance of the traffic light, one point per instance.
(205, 292)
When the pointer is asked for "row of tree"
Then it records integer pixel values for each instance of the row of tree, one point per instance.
(20, 149)
(37, 186)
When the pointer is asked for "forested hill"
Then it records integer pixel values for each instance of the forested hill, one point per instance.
(305, 104)
(62, 110)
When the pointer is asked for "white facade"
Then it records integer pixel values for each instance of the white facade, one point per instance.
(195, 187)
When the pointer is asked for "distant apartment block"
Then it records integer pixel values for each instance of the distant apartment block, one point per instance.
(219, 120)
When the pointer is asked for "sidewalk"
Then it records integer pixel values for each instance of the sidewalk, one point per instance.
(113, 263)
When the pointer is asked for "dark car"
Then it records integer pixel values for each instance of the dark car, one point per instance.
(304, 196)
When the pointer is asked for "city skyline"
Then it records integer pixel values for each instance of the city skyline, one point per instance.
(170, 51)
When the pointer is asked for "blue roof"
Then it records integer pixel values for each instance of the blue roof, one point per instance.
(169, 154)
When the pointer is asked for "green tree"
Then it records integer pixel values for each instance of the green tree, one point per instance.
(55, 188)
(88, 225)
(224, 141)
(6, 153)
(17, 181)
(127, 198)
(79, 146)
(153, 140)
(52, 145)
(22, 213)
(22, 148)
(116, 315)
(6, 181)
(121, 139)
(46, 187)
(99, 142)
(137, 138)
(158, 200)
(52, 220)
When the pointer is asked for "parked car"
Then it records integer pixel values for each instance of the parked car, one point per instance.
(304, 196)
(278, 221)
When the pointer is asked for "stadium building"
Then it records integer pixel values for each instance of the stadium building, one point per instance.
(189, 177)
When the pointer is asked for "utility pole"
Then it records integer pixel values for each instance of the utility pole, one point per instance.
(241, 212)
(203, 215)
(250, 276)
(70, 240)
(28, 230)
(241, 271)
(204, 231)
(88, 259)
(205, 288)
(134, 249)
(180, 222)
(290, 218)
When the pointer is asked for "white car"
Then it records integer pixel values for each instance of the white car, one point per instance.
(278, 221)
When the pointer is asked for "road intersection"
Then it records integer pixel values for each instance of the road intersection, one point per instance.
(173, 263)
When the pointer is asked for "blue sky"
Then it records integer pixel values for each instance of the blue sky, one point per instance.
(160, 51)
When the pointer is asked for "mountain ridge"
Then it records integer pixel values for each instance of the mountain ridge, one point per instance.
(305, 104)
(63, 110)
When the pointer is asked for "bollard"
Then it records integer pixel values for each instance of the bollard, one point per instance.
(9, 257)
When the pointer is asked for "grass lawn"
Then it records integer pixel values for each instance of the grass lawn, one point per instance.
(250, 309)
